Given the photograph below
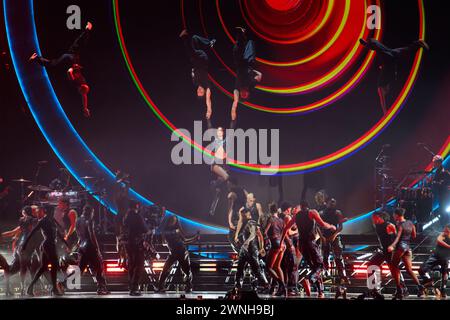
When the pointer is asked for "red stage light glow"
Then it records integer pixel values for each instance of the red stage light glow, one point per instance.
(283, 5)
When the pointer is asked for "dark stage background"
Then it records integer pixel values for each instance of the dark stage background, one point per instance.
(125, 134)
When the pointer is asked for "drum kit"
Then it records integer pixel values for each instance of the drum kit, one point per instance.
(417, 199)
(46, 196)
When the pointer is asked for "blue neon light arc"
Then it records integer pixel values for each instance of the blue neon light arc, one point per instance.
(46, 108)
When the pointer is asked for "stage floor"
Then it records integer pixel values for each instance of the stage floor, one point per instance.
(196, 295)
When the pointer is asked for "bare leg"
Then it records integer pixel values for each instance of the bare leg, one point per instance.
(395, 270)
(220, 173)
(84, 91)
(382, 93)
(208, 104)
(235, 105)
(408, 266)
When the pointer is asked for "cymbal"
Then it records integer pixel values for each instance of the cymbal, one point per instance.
(21, 180)
(40, 188)
(88, 178)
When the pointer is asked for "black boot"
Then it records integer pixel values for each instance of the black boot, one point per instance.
(282, 291)
(398, 294)
(420, 291)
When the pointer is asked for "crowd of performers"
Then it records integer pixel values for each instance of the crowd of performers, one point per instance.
(272, 243)
(51, 239)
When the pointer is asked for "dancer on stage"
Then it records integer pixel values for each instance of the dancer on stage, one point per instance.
(292, 256)
(306, 220)
(237, 197)
(386, 233)
(22, 260)
(135, 234)
(250, 250)
(389, 59)
(219, 168)
(196, 47)
(274, 230)
(176, 240)
(49, 256)
(331, 241)
(440, 257)
(72, 61)
(244, 54)
(89, 249)
(256, 212)
(401, 252)
(67, 220)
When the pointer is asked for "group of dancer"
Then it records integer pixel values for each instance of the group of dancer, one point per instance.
(395, 249)
(60, 242)
(282, 238)
(289, 234)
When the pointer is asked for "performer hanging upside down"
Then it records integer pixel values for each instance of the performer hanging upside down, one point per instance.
(71, 60)
(389, 59)
(219, 163)
(306, 220)
(402, 252)
(49, 229)
(196, 47)
(274, 230)
(244, 54)
(22, 260)
(176, 241)
(439, 257)
(89, 249)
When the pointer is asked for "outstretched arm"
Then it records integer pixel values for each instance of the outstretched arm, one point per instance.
(288, 225)
(313, 214)
(231, 199)
(12, 233)
(73, 220)
(239, 225)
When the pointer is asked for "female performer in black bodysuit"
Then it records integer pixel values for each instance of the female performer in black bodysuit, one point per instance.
(402, 251)
(274, 230)
(389, 60)
(196, 47)
(72, 60)
(244, 54)
(49, 229)
(218, 164)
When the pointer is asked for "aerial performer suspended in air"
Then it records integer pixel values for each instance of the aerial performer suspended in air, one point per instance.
(244, 54)
(196, 47)
(389, 59)
(72, 62)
